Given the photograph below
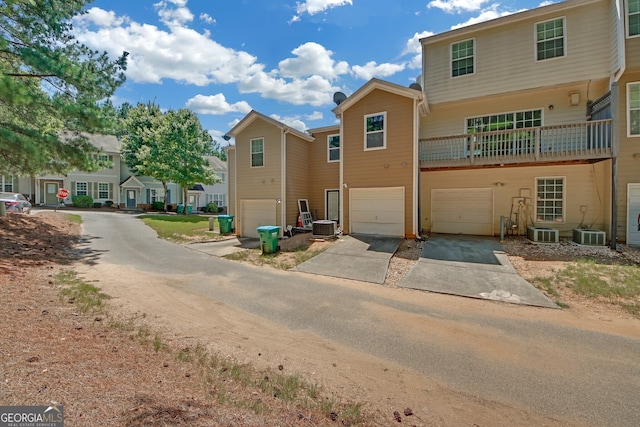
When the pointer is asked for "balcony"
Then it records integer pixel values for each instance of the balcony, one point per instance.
(545, 144)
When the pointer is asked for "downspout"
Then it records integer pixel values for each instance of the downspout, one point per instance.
(615, 118)
(283, 184)
(341, 183)
(416, 170)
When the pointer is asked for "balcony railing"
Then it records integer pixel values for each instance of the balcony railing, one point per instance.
(579, 141)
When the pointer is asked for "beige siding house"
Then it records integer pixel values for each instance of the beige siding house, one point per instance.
(527, 124)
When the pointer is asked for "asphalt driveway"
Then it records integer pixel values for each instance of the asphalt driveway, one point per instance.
(472, 266)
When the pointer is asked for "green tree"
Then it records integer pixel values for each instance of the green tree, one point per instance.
(50, 86)
(169, 147)
(218, 151)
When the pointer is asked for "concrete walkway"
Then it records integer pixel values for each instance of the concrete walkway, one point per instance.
(471, 266)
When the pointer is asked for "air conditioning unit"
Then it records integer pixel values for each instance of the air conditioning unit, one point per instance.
(589, 237)
(543, 234)
(324, 228)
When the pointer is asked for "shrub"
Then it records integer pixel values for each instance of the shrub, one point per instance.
(97, 204)
(212, 207)
(108, 203)
(158, 206)
(82, 201)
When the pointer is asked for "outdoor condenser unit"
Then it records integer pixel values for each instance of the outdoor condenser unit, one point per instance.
(543, 234)
(324, 228)
(589, 237)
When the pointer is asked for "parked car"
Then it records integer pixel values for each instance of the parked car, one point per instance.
(15, 202)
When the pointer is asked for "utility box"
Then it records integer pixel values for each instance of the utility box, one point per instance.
(269, 235)
(324, 228)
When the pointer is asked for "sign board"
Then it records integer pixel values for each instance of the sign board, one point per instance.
(63, 193)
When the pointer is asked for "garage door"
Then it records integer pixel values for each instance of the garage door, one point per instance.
(255, 213)
(462, 211)
(377, 211)
(633, 214)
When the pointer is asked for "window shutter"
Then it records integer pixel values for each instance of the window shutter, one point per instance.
(148, 195)
(168, 196)
(111, 190)
(73, 189)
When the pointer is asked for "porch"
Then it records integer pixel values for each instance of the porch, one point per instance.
(591, 140)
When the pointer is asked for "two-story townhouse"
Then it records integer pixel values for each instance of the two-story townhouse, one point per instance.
(362, 173)
(528, 122)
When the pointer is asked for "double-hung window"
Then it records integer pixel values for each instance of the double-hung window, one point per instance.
(333, 147)
(633, 18)
(375, 137)
(633, 109)
(81, 189)
(257, 152)
(103, 190)
(550, 199)
(550, 39)
(462, 58)
(7, 183)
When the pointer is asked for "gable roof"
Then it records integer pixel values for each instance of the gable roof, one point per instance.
(254, 115)
(131, 182)
(104, 143)
(217, 164)
(374, 84)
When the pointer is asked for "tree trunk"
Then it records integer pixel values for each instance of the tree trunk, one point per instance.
(165, 185)
(3, 209)
(185, 190)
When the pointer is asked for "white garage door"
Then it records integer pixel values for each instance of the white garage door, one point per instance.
(462, 211)
(377, 211)
(255, 213)
(633, 214)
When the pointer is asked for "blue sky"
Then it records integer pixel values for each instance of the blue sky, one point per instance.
(283, 58)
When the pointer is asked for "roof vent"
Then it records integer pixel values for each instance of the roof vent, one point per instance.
(338, 97)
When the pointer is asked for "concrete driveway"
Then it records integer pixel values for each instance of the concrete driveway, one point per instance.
(472, 266)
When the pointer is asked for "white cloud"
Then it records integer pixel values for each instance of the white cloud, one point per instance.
(172, 17)
(314, 90)
(312, 58)
(101, 18)
(205, 17)
(414, 48)
(457, 6)
(313, 7)
(217, 105)
(486, 15)
(316, 115)
(372, 69)
(292, 121)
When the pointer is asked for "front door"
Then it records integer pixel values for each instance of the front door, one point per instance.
(50, 193)
(333, 205)
(131, 198)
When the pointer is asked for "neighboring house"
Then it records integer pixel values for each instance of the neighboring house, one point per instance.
(202, 194)
(534, 117)
(114, 183)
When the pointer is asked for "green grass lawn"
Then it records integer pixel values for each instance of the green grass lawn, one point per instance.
(181, 228)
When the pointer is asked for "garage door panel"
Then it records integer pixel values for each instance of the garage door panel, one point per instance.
(256, 213)
(377, 211)
(462, 211)
(633, 214)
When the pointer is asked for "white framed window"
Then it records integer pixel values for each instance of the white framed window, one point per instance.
(333, 148)
(7, 183)
(257, 152)
(105, 161)
(503, 121)
(218, 199)
(156, 195)
(81, 189)
(633, 18)
(103, 190)
(375, 135)
(222, 177)
(550, 39)
(633, 109)
(463, 58)
(550, 199)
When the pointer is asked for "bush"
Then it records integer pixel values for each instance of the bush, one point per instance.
(212, 207)
(82, 201)
(108, 203)
(157, 206)
(97, 204)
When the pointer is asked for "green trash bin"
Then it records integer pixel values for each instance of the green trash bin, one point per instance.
(225, 222)
(269, 238)
(180, 208)
(189, 209)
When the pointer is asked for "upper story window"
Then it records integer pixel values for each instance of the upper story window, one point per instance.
(375, 137)
(81, 189)
(633, 109)
(549, 199)
(462, 58)
(333, 147)
(103, 190)
(221, 176)
(550, 39)
(633, 18)
(105, 161)
(7, 183)
(257, 152)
